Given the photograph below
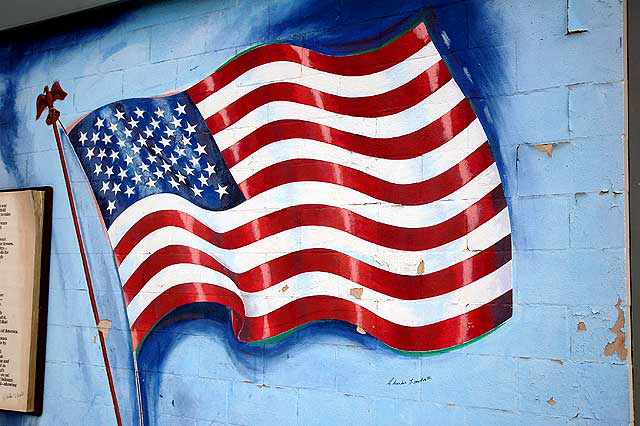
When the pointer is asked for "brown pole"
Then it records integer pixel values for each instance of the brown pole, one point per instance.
(52, 120)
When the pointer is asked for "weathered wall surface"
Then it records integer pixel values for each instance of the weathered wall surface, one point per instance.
(548, 78)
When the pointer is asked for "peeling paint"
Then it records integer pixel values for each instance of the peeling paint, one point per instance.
(421, 267)
(104, 326)
(360, 330)
(356, 292)
(582, 326)
(552, 401)
(285, 288)
(547, 148)
(618, 346)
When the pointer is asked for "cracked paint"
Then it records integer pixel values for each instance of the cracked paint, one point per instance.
(618, 346)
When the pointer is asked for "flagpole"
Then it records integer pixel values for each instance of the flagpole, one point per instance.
(46, 101)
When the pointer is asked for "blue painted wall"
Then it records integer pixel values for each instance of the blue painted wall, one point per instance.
(531, 81)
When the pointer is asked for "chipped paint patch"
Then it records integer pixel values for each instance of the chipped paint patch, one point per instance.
(618, 346)
(104, 326)
(582, 326)
(552, 401)
(421, 267)
(360, 330)
(547, 148)
(356, 292)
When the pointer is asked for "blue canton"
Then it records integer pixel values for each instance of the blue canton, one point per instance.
(135, 148)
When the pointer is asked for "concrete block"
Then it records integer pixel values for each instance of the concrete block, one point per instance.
(484, 381)
(94, 91)
(150, 80)
(540, 222)
(318, 408)
(596, 109)
(166, 46)
(559, 61)
(260, 405)
(591, 215)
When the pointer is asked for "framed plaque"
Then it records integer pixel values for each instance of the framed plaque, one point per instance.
(25, 241)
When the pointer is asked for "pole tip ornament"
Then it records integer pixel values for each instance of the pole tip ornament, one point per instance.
(46, 100)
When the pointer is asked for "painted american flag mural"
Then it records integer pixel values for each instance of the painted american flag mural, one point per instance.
(292, 187)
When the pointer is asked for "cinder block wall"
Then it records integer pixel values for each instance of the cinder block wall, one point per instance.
(547, 75)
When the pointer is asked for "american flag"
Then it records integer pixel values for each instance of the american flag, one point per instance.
(293, 186)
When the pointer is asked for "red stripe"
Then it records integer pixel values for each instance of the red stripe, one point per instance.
(360, 64)
(427, 191)
(403, 147)
(408, 287)
(409, 239)
(380, 105)
(443, 334)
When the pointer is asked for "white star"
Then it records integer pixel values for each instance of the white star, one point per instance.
(111, 207)
(173, 159)
(180, 109)
(128, 191)
(195, 162)
(116, 188)
(211, 169)
(83, 137)
(157, 150)
(102, 154)
(181, 177)
(148, 133)
(107, 138)
(113, 127)
(166, 167)
(98, 169)
(136, 177)
(121, 143)
(99, 123)
(119, 115)
(169, 132)
(114, 154)
(176, 122)
(159, 112)
(105, 187)
(127, 132)
(173, 183)
(128, 159)
(158, 174)
(188, 170)
(151, 158)
(154, 123)
(122, 174)
(185, 141)
(90, 153)
(139, 112)
(201, 149)
(180, 151)
(190, 128)
(221, 190)
(135, 149)
(144, 167)
(197, 191)
(164, 141)
(203, 180)
(109, 171)
(151, 183)
(95, 138)
(141, 140)
(133, 123)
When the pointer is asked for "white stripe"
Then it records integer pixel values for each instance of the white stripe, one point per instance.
(412, 170)
(335, 84)
(318, 193)
(320, 237)
(416, 117)
(408, 313)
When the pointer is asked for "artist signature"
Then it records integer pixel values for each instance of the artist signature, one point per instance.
(411, 381)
